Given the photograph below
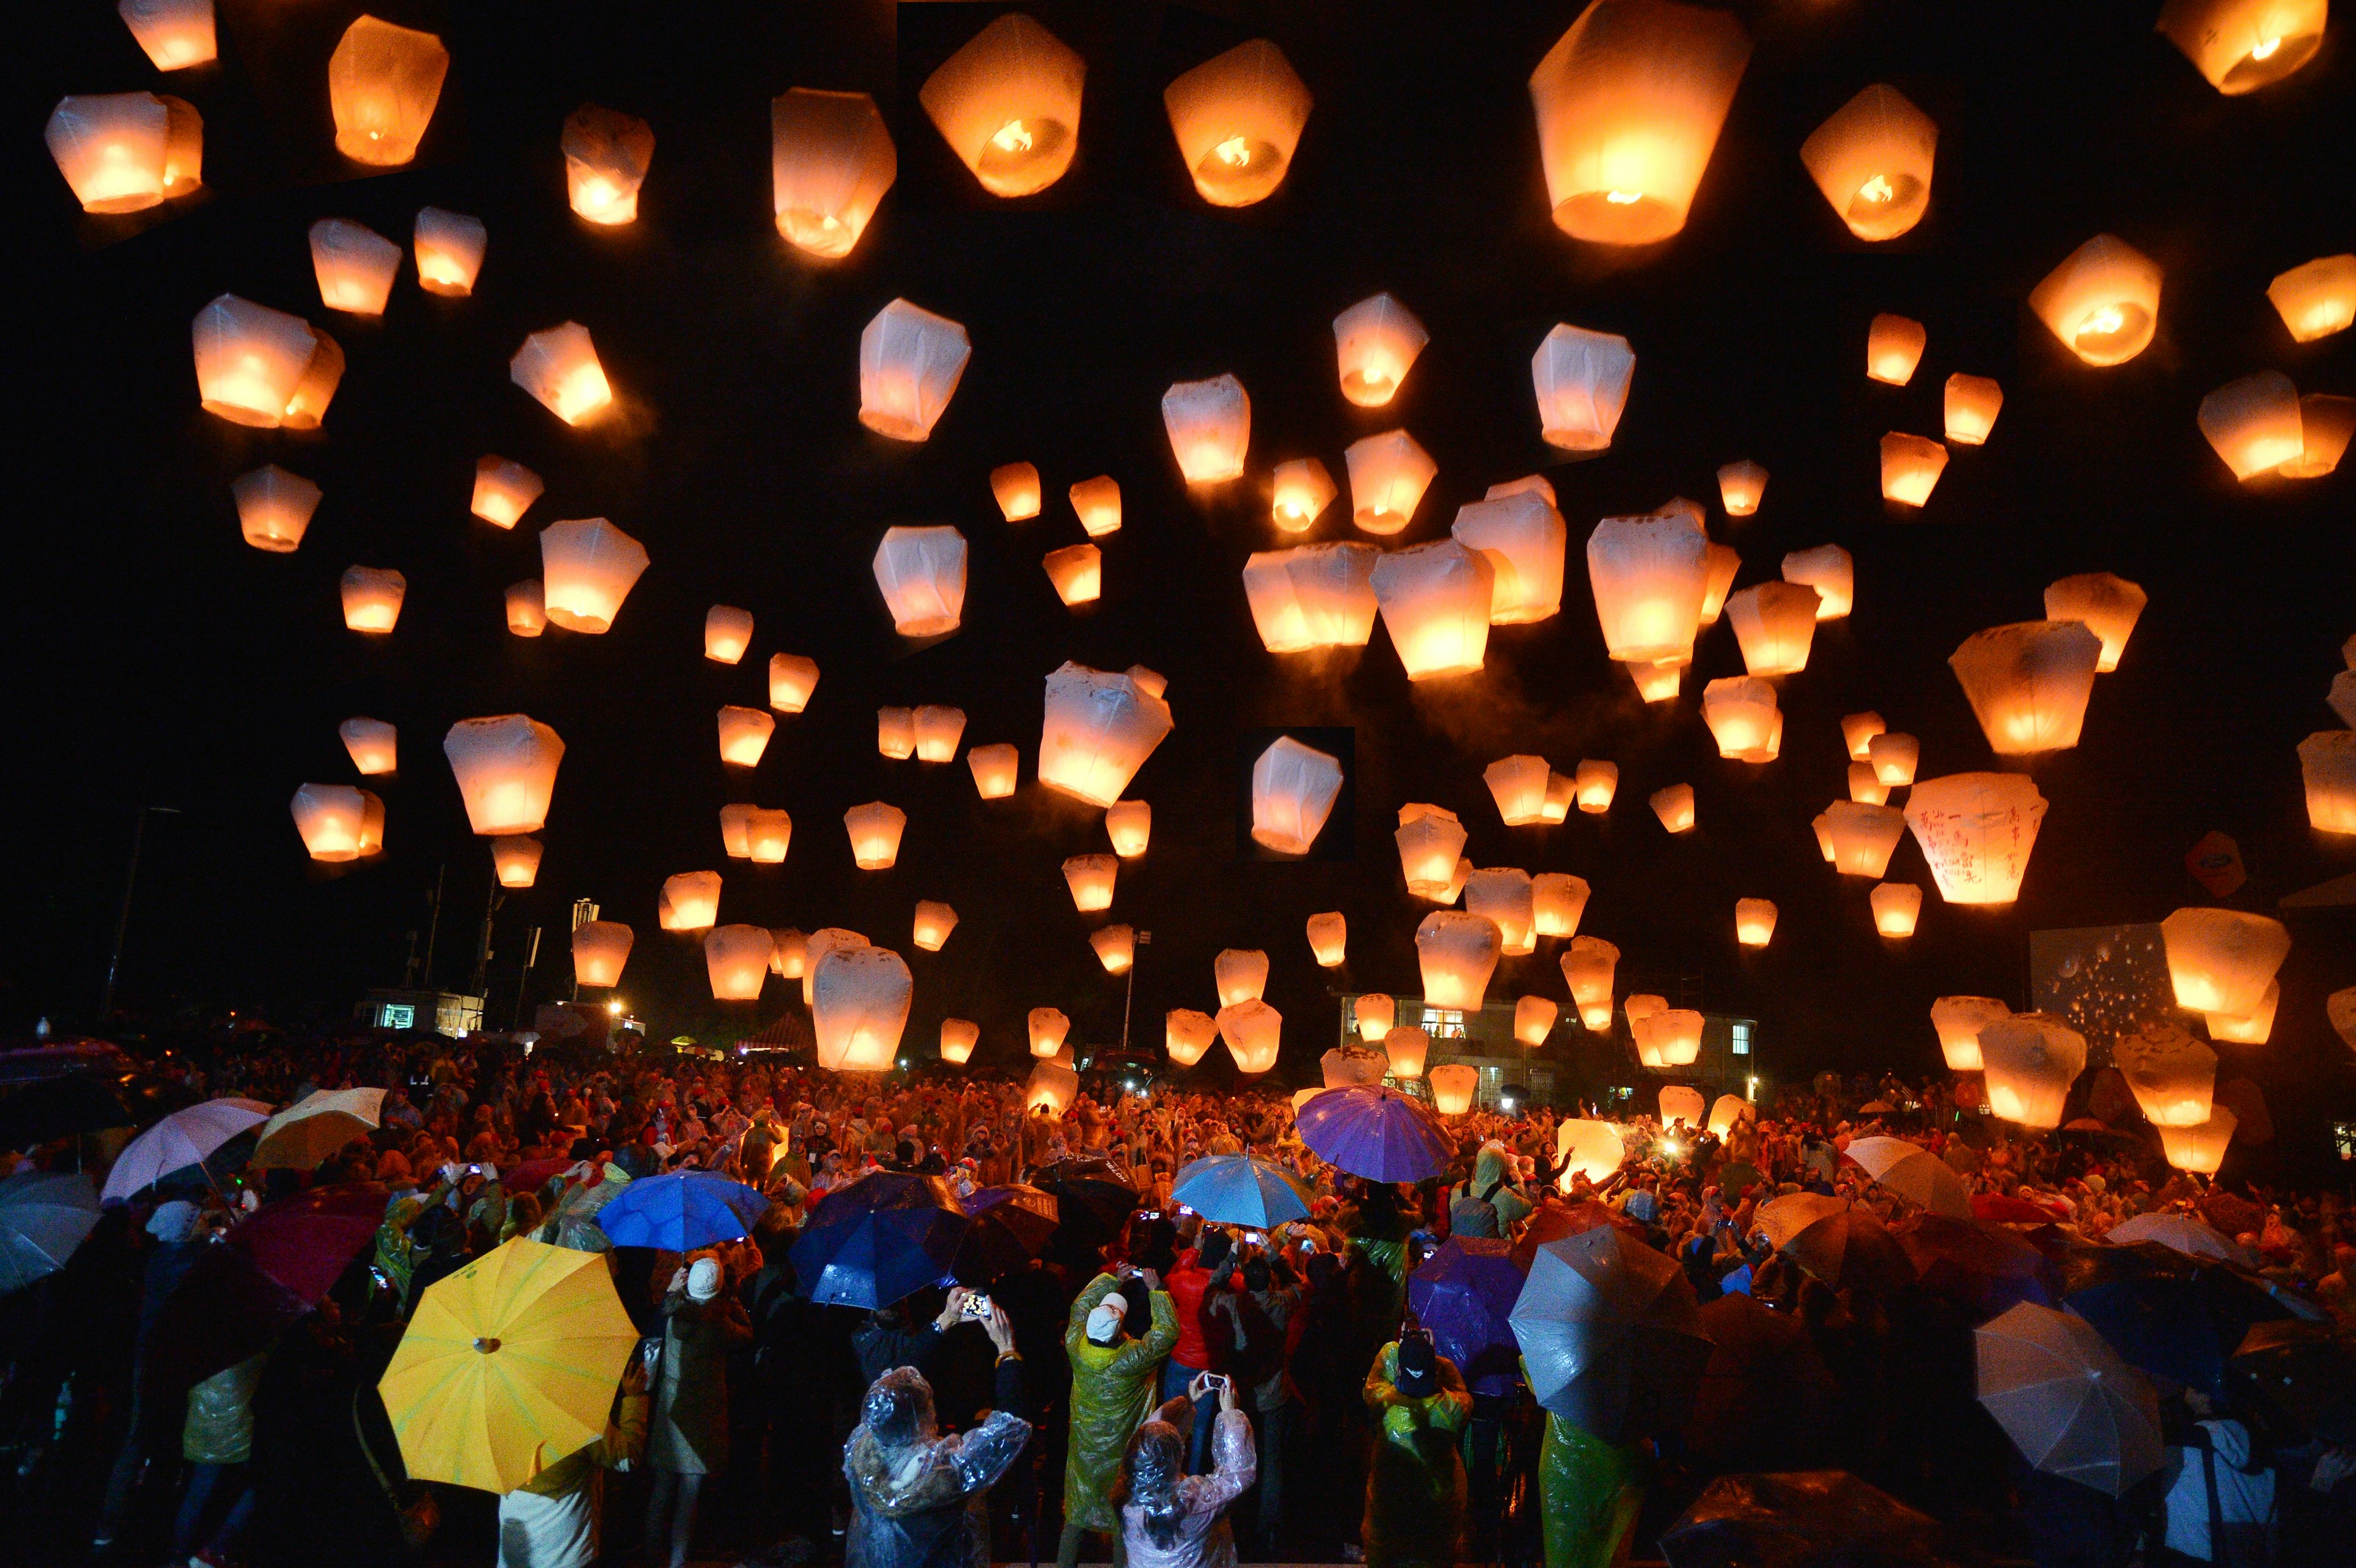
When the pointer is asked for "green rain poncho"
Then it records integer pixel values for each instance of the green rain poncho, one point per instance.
(1112, 1390)
(1415, 1487)
(1587, 1495)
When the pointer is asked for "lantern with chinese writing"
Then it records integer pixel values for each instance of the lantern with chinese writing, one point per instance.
(1375, 341)
(2029, 1061)
(1743, 719)
(1872, 160)
(1857, 731)
(1209, 425)
(859, 1006)
(1669, 1037)
(792, 679)
(737, 959)
(1048, 1029)
(937, 730)
(2200, 1151)
(1776, 623)
(1740, 485)
(176, 34)
(689, 902)
(1008, 104)
(1090, 877)
(587, 568)
(506, 769)
(1894, 346)
(2028, 683)
(1519, 785)
(909, 363)
(1587, 968)
(606, 153)
(338, 822)
(1429, 839)
(560, 366)
(372, 597)
(791, 958)
(830, 161)
(1724, 562)
(816, 946)
(372, 743)
(933, 922)
(1373, 1014)
(1831, 571)
(1328, 939)
(2102, 303)
(1051, 1090)
(1754, 921)
(1896, 907)
(1534, 1021)
(2107, 605)
(273, 507)
(1581, 381)
(1098, 730)
(2327, 765)
(504, 491)
(1865, 786)
(1558, 900)
(2172, 1075)
(1016, 487)
(1452, 1087)
(1911, 466)
(2317, 299)
(1863, 837)
(1116, 948)
(744, 735)
(449, 248)
(958, 1037)
(874, 828)
(1302, 490)
(2222, 960)
(1293, 790)
(1649, 575)
(1353, 1067)
(1435, 602)
(382, 84)
(2253, 423)
(1501, 894)
(527, 610)
(1406, 1050)
(1893, 758)
(1596, 783)
(1977, 831)
(1388, 474)
(1972, 402)
(1313, 596)
(1237, 117)
(600, 949)
(1097, 503)
(2240, 46)
(2327, 425)
(1959, 1020)
(1674, 807)
(355, 266)
(727, 633)
(922, 574)
(1254, 1031)
(1078, 572)
(261, 367)
(994, 769)
(1187, 1034)
(1457, 952)
(1524, 538)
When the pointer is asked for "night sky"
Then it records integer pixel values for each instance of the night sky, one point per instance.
(157, 660)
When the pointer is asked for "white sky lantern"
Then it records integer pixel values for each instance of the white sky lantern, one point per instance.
(1078, 572)
(560, 366)
(1008, 104)
(744, 735)
(792, 679)
(2222, 960)
(1238, 118)
(1724, 562)
(922, 574)
(738, 959)
(859, 1008)
(333, 820)
(176, 34)
(1657, 682)
(791, 959)
(933, 922)
(1581, 381)
(895, 732)
(1457, 952)
(815, 947)
(506, 769)
(606, 155)
(689, 902)
(1254, 1032)
(1872, 160)
(1865, 785)
(1503, 896)
(1374, 342)
(830, 161)
(273, 507)
(1638, 1008)
(958, 1037)
(2327, 765)
(1429, 839)
(1669, 1037)
(1389, 475)
(1822, 824)
(1754, 921)
(1894, 346)
(1743, 719)
(1293, 790)
(1596, 783)
(527, 610)
(587, 567)
(2253, 423)
(768, 833)
(1302, 490)
(1519, 785)
(1187, 1035)
(2108, 606)
(1090, 877)
(938, 731)
(1240, 974)
(1209, 425)
(1373, 1014)
(736, 830)
(2327, 425)
(372, 597)
(1353, 1066)
(1864, 837)
(1649, 575)
(2318, 298)
(1894, 757)
(2028, 683)
(1911, 466)
(995, 769)
(2103, 302)
(1454, 1084)
(600, 949)
(1016, 487)
(1741, 487)
(449, 248)
(2172, 1075)
(727, 633)
(374, 744)
(1408, 1050)
(1313, 596)
(1435, 602)
(1831, 571)
(1588, 1148)
(1896, 908)
(355, 266)
(2240, 46)
(1959, 1020)
(261, 367)
(2200, 1151)
(1097, 503)
(1673, 805)
(2251, 1028)
(1116, 948)
(1857, 731)
(874, 828)
(1130, 825)
(1587, 968)
(1052, 1088)
(1970, 407)
(1533, 1019)
(383, 82)
(1776, 623)
(1679, 1104)
(1098, 730)
(1525, 539)
(504, 491)
(2030, 1061)
(1562, 793)
(1629, 105)
(909, 363)
(1977, 830)
(1329, 939)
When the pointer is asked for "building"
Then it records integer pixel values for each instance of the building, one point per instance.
(444, 1012)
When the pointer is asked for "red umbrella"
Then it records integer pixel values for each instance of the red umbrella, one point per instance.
(1999, 1208)
(304, 1242)
(1553, 1221)
(534, 1174)
(1976, 1265)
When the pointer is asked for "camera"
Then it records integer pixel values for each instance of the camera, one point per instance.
(976, 1306)
(1214, 1382)
(1253, 1238)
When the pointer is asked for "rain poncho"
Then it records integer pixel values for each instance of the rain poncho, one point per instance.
(1112, 1394)
(1586, 1494)
(1204, 1540)
(916, 1497)
(1415, 1489)
(220, 1426)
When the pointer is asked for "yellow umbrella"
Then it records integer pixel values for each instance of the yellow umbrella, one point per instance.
(1784, 1218)
(509, 1366)
(316, 1127)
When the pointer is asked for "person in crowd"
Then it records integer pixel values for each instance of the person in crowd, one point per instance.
(556, 1518)
(1113, 1378)
(688, 1437)
(1415, 1489)
(1169, 1518)
(1254, 1325)
(180, 1235)
(217, 1440)
(917, 1496)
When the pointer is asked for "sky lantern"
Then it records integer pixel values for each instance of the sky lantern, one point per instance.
(2327, 425)
(374, 745)
(1561, 794)
(1896, 908)
(1629, 105)
(1240, 975)
(1097, 502)
(335, 821)
(816, 946)
(527, 610)
(2240, 46)
(1970, 407)
(1673, 805)
(689, 902)
(1254, 1032)
(1008, 104)
(1519, 785)
(1016, 487)
(2030, 1061)
(2327, 765)
(355, 266)
(449, 247)
(1911, 466)
(1408, 1050)
(1893, 758)
(1587, 964)
(791, 959)
(2108, 606)
(1373, 1014)
(874, 828)
(2222, 960)
(1524, 538)
(2028, 683)
(2103, 302)
(1741, 487)
(1534, 1021)
(859, 1006)
(1078, 572)
(559, 365)
(2317, 298)
(1238, 118)
(1209, 425)
(1454, 1084)
(600, 949)
(1649, 575)
(1680, 1104)
(830, 161)
(1959, 1020)
(1090, 877)
(768, 833)
(1657, 681)
(995, 768)
(736, 830)
(1831, 571)
(745, 735)
(1130, 825)
(727, 633)
(1313, 596)
(176, 34)
(1503, 896)
(1724, 562)
(1300, 490)
(937, 730)
(738, 959)
(506, 769)
(2252, 1028)
(1581, 381)
(504, 491)
(1588, 1148)
(792, 679)
(1894, 346)
(1328, 938)
(1051, 1088)
(1865, 785)
(958, 1037)
(2253, 423)
(587, 568)
(1457, 952)
(261, 367)
(1187, 1035)
(1977, 830)
(1098, 730)
(1293, 790)
(1435, 602)
(382, 84)
(1352, 1066)
(1743, 719)
(933, 922)
(1754, 921)
(1115, 947)
(1375, 341)
(1823, 825)
(1872, 160)
(1864, 837)
(922, 574)
(1388, 474)
(606, 155)
(1429, 839)
(372, 597)
(2200, 1151)
(1857, 731)
(909, 363)
(1596, 783)
(2172, 1075)
(273, 507)
(1776, 623)
(1668, 1038)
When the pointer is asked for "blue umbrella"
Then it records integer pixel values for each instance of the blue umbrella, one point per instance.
(1237, 1189)
(877, 1240)
(1464, 1293)
(1376, 1132)
(681, 1211)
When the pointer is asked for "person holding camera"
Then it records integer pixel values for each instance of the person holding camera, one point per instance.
(917, 1496)
(1112, 1394)
(1172, 1520)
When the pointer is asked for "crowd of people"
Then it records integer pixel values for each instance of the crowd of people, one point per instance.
(1172, 1390)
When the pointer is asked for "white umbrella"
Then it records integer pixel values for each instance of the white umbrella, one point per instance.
(2068, 1402)
(316, 1127)
(1781, 1218)
(44, 1216)
(2182, 1233)
(1913, 1173)
(1610, 1335)
(180, 1141)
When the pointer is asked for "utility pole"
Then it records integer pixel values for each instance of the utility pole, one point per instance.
(1144, 939)
(433, 929)
(532, 957)
(481, 986)
(122, 919)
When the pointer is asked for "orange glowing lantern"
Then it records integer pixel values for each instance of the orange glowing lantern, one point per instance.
(933, 922)
(1972, 402)
(527, 610)
(2103, 302)
(1406, 1051)
(1519, 785)
(958, 1037)
(1581, 381)
(1743, 719)
(910, 361)
(1008, 104)
(1503, 896)
(1373, 1014)
(1650, 575)
(560, 367)
(791, 959)
(261, 367)
(2327, 425)
(1098, 504)
(1831, 571)
(338, 822)
(1674, 807)
(1302, 489)
(1328, 936)
(1587, 966)
(1776, 623)
(1016, 487)
(1116, 948)
(859, 1008)
(1596, 783)
(874, 828)
(1893, 758)
(587, 567)
(1375, 341)
(1657, 682)
(273, 507)
(606, 155)
(1977, 830)
(895, 732)
(1313, 596)
(922, 574)
(1724, 562)
(1098, 730)
(1823, 830)
(1429, 839)
(1130, 825)
(1857, 731)
(2172, 1075)
(1588, 1148)
(1293, 790)
(2029, 1061)
(1238, 118)
(2222, 960)
(689, 902)
(1894, 346)
(382, 84)
(727, 633)
(767, 836)
(1187, 1035)
(995, 767)
(1090, 877)
(1873, 161)
(736, 830)
(1240, 975)
(1562, 791)
(1209, 425)
(938, 730)
(2240, 46)
(1863, 837)
(2028, 683)
(506, 769)
(372, 597)
(1911, 466)
(2253, 423)
(355, 266)
(1051, 1090)
(2252, 1028)
(2318, 298)
(1959, 1020)
(1896, 907)
(449, 248)
(830, 161)
(1865, 785)
(1457, 952)
(374, 744)
(504, 491)
(2327, 763)
(815, 948)
(737, 959)
(792, 679)
(1534, 1021)
(1524, 538)
(2108, 606)
(744, 735)
(1741, 487)
(1754, 921)
(1078, 572)
(1254, 1032)
(176, 34)
(600, 949)
(1388, 474)
(1454, 1084)
(2200, 1151)
(1668, 1038)
(1435, 601)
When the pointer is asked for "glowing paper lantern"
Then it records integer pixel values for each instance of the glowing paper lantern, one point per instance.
(1313, 596)
(727, 633)
(874, 828)
(791, 959)
(958, 1037)
(1588, 1148)
(1873, 161)
(1435, 601)
(1353, 1066)
(1302, 490)
(527, 610)
(1831, 571)
(792, 679)
(382, 84)
(2327, 765)
(815, 947)
(1977, 831)
(735, 830)
(449, 247)
(504, 491)
(1971, 406)
(909, 363)
(1893, 758)
(1679, 1104)
(2107, 605)
(1406, 1050)
(373, 744)
(1519, 785)
(2240, 46)
(1016, 487)
(1130, 825)
(506, 769)
(1740, 485)
(1452, 1087)
(1533, 1019)
(1097, 502)
(1240, 974)
(1649, 575)
(1863, 837)
(355, 266)
(1090, 877)
(1656, 682)
(689, 902)
(2248, 1028)
(1524, 538)
(1457, 952)
(745, 735)
(261, 367)
(1429, 839)
(994, 769)
(1597, 783)
(2201, 1149)
(606, 155)
(273, 507)
(1896, 907)
(372, 597)
(2318, 298)
(1373, 1014)
(1388, 474)
(1754, 921)
(1237, 117)
(600, 949)
(1098, 730)
(1209, 425)
(560, 367)
(767, 836)
(1374, 342)
(1776, 623)
(895, 732)
(922, 574)
(738, 959)
(2030, 1061)
(2028, 683)
(1008, 104)
(587, 568)
(859, 1006)
(1724, 562)
(176, 34)
(1503, 896)
(1562, 791)
(1823, 829)
(1959, 1020)
(1078, 572)
(1254, 1031)
(1857, 731)
(1187, 1035)
(2253, 423)
(1670, 1037)
(1743, 719)
(1674, 807)
(1116, 948)
(1865, 785)
(2103, 302)
(1587, 966)
(2172, 1075)
(1329, 937)
(2327, 425)
(2221, 960)
(1727, 1110)
(1894, 346)
(338, 822)
(937, 730)
(1293, 790)
(1911, 466)
(933, 922)
(1629, 105)
(1052, 1089)
(1581, 381)
(830, 161)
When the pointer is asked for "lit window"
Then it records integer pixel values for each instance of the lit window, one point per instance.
(1442, 1023)
(1740, 1033)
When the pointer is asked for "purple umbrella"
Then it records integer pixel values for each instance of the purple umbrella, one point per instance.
(1376, 1132)
(1464, 1294)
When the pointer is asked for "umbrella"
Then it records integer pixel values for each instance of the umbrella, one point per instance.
(2068, 1402)
(875, 1241)
(2002, 1209)
(181, 1139)
(1093, 1193)
(1376, 1132)
(2175, 1316)
(303, 1134)
(1610, 1335)
(1553, 1221)
(1012, 1226)
(1803, 1518)
(1984, 1267)
(2303, 1374)
(531, 1175)
(44, 1216)
(1851, 1249)
(2184, 1234)
(1781, 1218)
(1765, 1398)
(60, 1107)
(1464, 1295)
(2233, 1215)
(304, 1242)
(509, 1366)
(247, 1288)
(681, 1211)
(1913, 1173)
(1237, 1189)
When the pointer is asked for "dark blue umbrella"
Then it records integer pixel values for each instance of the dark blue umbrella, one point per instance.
(681, 1211)
(2173, 1316)
(1012, 1226)
(1464, 1294)
(1376, 1132)
(877, 1240)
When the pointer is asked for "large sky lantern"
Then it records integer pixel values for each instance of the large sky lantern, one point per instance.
(1896, 906)
(1187, 1035)
(1048, 1030)
(175, 34)
(1409, 1051)
(768, 833)
(587, 567)
(1008, 104)
(1429, 839)
(2317, 298)
(332, 820)
(1115, 947)
(1629, 105)
(2108, 606)
(1375, 343)
(830, 161)
(1098, 730)
(374, 745)
(1300, 490)
(1130, 825)
(1016, 487)
(372, 597)
(1894, 346)
(1725, 561)
(958, 1037)
(1091, 878)
(1775, 624)
(1958, 1020)
(260, 367)
(1293, 788)
(2240, 46)
(816, 946)
(875, 829)
(922, 574)
(1596, 783)
(1503, 896)
(1097, 503)
(1435, 601)
(1822, 824)
(1673, 805)
(1051, 1088)
(1313, 596)
(1389, 475)
(689, 902)
(1457, 952)
(273, 507)
(1525, 539)
(1680, 1104)
(383, 82)
(449, 248)
(1238, 118)
(1518, 783)
(1754, 921)
(910, 361)
(2252, 424)
(1239, 973)
(1588, 1148)
(933, 922)
(937, 729)
(1741, 485)
(526, 608)
(2222, 960)
(1864, 837)
(2200, 1151)
(1374, 1015)
(736, 957)
(2101, 301)
(1587, 966)
(600, 949)
(2029, 1061)
(859, 1008)
(745, 735)
(1911, 466)
(1857, 731)
(1454, 1084)
(727, 633)
(2254, 1028)
(1581, 381)
(559, 365)
(792, 679)
(1977, 830)
(1831, 571)
(1872, 160)
(504, 491)
(1254, 1032)
(1353, 1067)
(1743, 718)
(996, 768)
(1970, 407)
(606, 156)
(1893, 756)
(1078, 573)
(2327, 765)
(1669, 1037)
(1656, 681)
(1534, 1021)
(1329, 939)
(354, 264)
(2172, 1075)
(2327, 425)
(1649, 575)
(2028, 683)
(1865, 785)
(1209, 426)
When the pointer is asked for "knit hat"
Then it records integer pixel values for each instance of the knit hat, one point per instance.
(1105, 1319)
(172, 1222)
(703, 1279)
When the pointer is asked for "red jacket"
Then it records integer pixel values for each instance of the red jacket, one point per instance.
(1188, 1282)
